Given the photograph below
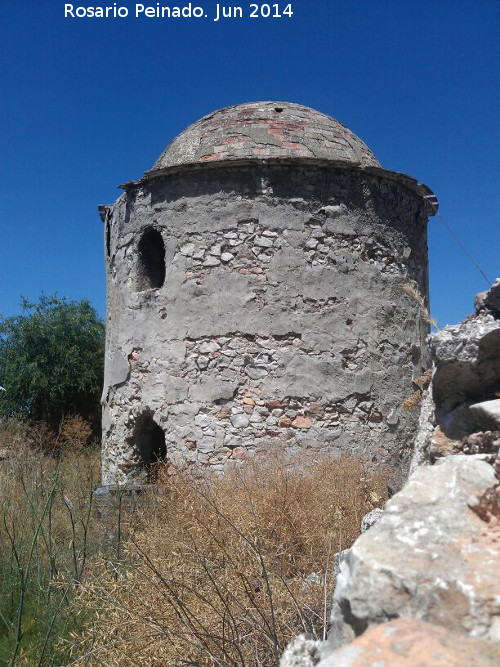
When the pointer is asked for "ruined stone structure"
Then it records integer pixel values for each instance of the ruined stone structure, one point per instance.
(255, 297)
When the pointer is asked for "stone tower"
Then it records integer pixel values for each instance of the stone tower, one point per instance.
(255, 297)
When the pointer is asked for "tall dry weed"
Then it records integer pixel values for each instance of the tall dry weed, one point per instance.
(46, 536)
(226, 570)
(414, 294)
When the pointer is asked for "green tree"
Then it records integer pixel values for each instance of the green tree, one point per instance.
(51, 360)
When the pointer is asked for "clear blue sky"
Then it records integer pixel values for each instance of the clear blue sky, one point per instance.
(87, 104)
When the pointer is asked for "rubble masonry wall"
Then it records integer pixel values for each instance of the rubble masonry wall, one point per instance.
(281, 322)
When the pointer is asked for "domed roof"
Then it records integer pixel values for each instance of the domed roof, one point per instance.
(262, 131)
(281, 131)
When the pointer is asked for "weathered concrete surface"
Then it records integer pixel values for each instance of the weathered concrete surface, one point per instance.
(433, 556)
(412, 643)
(280, 320)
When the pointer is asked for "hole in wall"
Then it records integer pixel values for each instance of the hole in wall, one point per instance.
(278, 109)
(149, 440)
(151, 268)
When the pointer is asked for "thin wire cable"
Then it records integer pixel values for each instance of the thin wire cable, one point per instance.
(454, 236)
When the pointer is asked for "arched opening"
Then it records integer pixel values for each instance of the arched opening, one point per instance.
(108, 240)
(149, 440)
(151, 269)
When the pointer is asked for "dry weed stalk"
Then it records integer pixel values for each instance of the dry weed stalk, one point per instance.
(413, 400)
(225, 571)
(422, 383)
(424, 380)
(424, 311)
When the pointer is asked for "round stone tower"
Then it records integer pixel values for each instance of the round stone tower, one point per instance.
(256, 299)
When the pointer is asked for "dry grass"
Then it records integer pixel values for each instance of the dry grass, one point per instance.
(74, 435)
(225, 571)
(215, 570)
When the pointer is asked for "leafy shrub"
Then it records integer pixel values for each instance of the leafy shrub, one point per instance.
(51, 361)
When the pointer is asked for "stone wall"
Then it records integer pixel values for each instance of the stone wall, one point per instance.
(282, 320)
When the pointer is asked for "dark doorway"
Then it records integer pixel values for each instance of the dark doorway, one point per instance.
(151, 270)
(150, 441)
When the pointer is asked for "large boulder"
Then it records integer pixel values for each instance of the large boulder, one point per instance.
(433, 556)
(412, 643)
(489, 301)
(487, 413)
(467, 363)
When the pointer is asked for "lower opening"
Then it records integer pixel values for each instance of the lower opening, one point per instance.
(150, 442)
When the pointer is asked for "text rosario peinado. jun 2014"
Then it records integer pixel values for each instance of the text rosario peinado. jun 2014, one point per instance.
(217, 12)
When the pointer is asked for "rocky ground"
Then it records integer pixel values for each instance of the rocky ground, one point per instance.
(421, 586)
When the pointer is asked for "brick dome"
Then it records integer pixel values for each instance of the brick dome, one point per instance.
(266, 131)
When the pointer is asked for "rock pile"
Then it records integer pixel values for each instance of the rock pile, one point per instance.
(466, 380)
(430, 556)
(421, 585)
